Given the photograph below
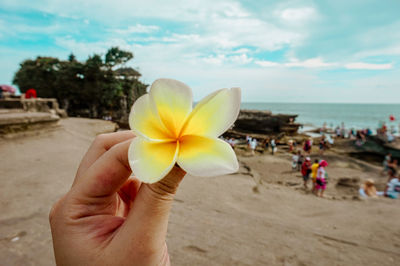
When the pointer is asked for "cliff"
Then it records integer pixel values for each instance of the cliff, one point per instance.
(263, 123)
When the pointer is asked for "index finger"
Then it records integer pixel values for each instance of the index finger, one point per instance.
(107, 174)
(100, 145)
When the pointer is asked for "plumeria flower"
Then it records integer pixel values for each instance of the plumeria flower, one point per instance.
(170, 132)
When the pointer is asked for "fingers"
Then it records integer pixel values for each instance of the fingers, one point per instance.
(100, 145)
(106, 175)
(147, 220)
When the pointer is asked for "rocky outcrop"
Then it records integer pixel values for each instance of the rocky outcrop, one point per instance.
(260, 124)
(42, 105)
(20, 115)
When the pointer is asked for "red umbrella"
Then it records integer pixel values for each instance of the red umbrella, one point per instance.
(392, 118)
(8, 88)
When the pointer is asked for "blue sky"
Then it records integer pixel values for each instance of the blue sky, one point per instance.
(276, 51)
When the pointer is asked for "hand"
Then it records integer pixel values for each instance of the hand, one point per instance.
(108, 218)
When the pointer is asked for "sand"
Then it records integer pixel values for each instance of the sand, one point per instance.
(259, 216)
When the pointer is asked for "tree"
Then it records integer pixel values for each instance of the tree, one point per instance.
(97, 86)
(39, 74)
(115, 56)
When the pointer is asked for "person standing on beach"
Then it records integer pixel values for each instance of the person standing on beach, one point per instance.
(305, 171)
(273, 146)
(299, 160)
(248, 140)
(253, 146)
(392, 189)
(320, 185)
(266, 144)
(322, 145)
(392, 166)
(386, 162)
(314, 169)
(307, 146)
(295, 159)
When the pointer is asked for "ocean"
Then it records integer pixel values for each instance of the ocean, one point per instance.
(314, 115)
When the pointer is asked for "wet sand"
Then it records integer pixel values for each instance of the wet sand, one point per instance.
(259, 216)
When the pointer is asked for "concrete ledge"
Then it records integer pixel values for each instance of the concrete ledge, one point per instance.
(12, 122)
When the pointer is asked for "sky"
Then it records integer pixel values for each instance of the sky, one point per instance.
(276, 51)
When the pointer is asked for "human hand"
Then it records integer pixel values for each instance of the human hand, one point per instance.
(108, 218)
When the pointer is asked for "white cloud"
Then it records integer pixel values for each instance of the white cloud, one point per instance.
(369, 66)
(391, 49)
(215, 60)
(309, 63)
(241, 59)
(138, 28)
(265, 63)
(298, 14)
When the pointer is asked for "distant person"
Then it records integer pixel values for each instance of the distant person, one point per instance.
(273, 146)
(314, 169)
(266, 144)
(320, 185)
(295, 159)
(232, 142)
(337, 131)
(290, 143)
(322, 145)
(307, 147)
(385, 163)
(31, 93)
(305, 171)
(253, 145)
(368, 189)
(392, 166)
(299, 160)
(392, 189)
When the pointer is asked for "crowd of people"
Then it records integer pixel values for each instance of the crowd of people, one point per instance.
(316, 170)
(392, 187)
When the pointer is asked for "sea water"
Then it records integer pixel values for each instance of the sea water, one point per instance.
(314, 115)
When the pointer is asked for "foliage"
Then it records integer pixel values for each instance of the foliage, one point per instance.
(98, 87)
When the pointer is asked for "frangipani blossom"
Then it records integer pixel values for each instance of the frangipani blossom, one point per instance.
(169, 132)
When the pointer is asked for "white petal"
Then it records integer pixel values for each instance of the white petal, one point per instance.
(173, 100)
(202, 156)
(152, 161)
(213, 115)
(144, 120)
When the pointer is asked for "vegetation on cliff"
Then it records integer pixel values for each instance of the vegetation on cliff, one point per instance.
(99, 86)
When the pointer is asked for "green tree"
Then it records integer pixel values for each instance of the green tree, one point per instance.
(96, 85)
(115, 56)
(39, 74)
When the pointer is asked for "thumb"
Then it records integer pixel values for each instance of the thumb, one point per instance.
(147, 220)
(165, 189)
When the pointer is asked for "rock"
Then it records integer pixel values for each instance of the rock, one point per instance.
(260, 124)
(352, 182)
(12, 122)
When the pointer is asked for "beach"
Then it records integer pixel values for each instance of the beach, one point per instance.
(258, 216)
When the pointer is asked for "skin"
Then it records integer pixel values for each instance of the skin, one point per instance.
(108, 217)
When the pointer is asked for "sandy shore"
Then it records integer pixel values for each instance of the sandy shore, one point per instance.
(259, 216)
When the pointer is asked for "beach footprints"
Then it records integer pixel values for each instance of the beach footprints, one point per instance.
(194, 249)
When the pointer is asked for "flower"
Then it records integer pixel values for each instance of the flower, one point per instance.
(170, 132)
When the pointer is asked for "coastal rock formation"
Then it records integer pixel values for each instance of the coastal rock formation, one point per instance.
(19, 115)
(263, 123)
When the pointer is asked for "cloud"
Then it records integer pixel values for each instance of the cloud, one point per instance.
(368, 66)
(265, 63)
(217, 43)
(309, 63)
(298, 14)
(138, 28)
